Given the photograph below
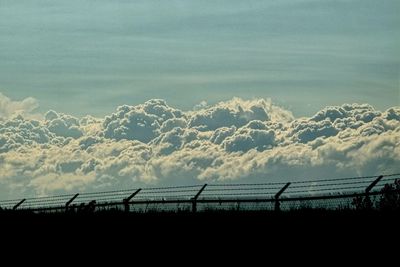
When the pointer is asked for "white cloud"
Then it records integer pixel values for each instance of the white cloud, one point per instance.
(304, 131)
(140, 122)
(220, 134)
(363, 112)
(254, 135)
(9, 108)
(153, 143)
(64, 128)
(170, 124)
(236, 112)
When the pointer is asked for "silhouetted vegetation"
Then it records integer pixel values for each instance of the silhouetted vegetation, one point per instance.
(388, 200)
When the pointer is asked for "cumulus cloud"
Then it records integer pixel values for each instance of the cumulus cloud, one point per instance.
(254, 135)
(9, 108)
(236, 112)
(304, 131)
(63, 125)
(156, 144)
(140, 122)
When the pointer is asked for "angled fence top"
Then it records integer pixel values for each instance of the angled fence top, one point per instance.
(273, 192)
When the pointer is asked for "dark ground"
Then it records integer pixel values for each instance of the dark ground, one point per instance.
(226, 223)
(227, 236)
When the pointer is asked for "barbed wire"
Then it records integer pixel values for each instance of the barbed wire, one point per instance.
(304, 181)
(329, 184)
(125, 191)
(326, 189)
(243, 189)
(239, 194)
(158, 196)
(157, 191)
(245, 184)
(344, 178)
(172, 187)
(166, 191)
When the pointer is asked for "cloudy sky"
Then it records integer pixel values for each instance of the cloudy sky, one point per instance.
(87, 57)
(109, 94)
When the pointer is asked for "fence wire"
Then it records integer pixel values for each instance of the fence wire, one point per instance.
(334, 194)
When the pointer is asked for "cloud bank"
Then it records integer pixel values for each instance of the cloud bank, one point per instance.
(156, 144)
(9, 108)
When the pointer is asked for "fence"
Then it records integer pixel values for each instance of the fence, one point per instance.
(352, 193)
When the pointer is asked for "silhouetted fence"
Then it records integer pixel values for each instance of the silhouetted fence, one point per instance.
(352, 193)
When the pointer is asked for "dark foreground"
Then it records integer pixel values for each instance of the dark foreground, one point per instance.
(315, 223)
(250, 236)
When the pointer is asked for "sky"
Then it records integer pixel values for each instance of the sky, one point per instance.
(87, 57)
(104, 95)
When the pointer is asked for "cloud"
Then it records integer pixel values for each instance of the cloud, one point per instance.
(363, 112)
(140, 122)
(63, 125)
(254, 135)
(155, 144)
(174, 140)
(9, 108)
(236, 112)
(304, 131)
(170, 124)
(393, 114)
(220, 134)
(18, 132)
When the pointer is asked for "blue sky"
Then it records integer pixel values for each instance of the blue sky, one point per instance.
(87, 57)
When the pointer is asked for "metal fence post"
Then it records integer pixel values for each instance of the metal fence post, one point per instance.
(19, 204)
(367, 200)
(277, 203)
(126, 200)
(70, 201)
(194, 199)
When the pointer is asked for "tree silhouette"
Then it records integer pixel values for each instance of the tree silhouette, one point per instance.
(388, 201)
(390, 198)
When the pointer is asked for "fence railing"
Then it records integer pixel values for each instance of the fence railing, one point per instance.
(368, 192)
